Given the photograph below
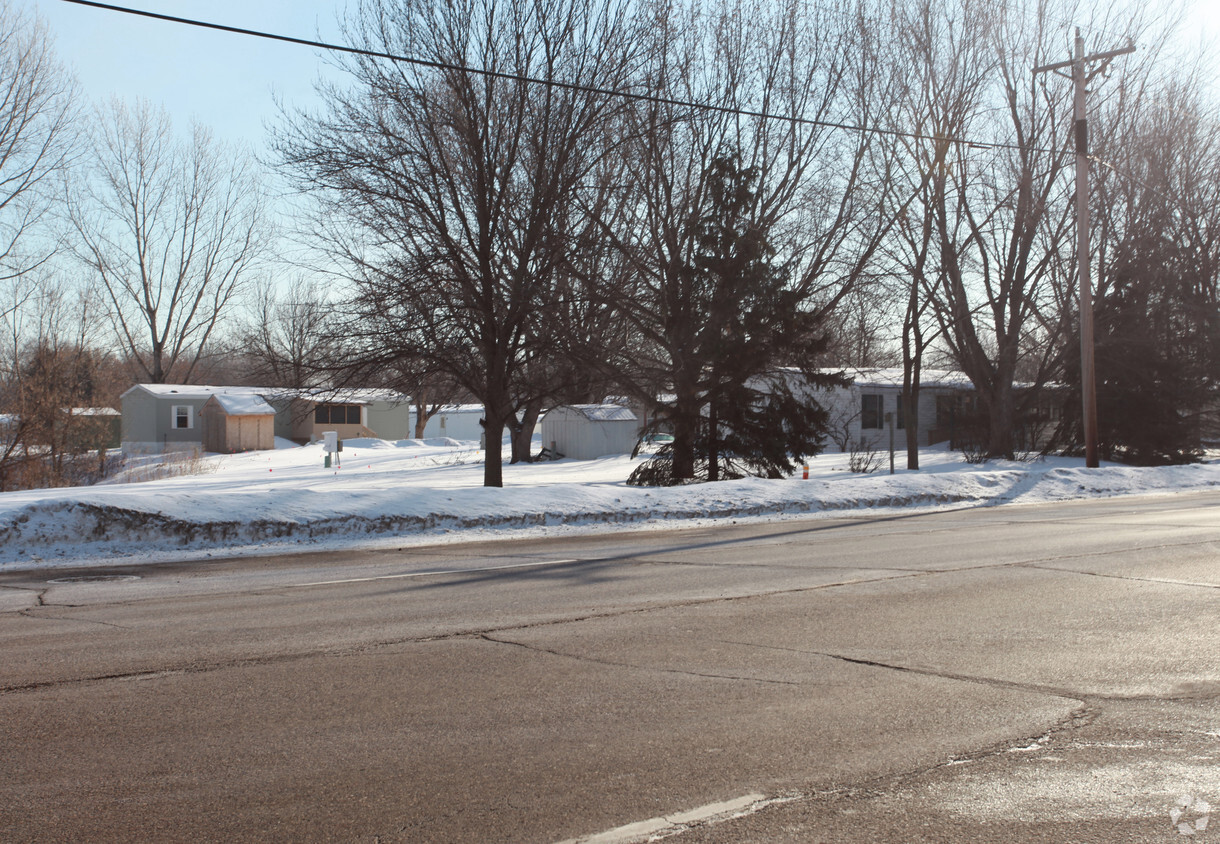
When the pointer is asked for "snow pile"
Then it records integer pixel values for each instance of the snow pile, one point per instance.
(417, 491)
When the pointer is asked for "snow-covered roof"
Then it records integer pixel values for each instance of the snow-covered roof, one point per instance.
(198, 391)
(343, 395)
(92, 411)
(202, 391)
(892, 377)
(243, 405)
(604, 412)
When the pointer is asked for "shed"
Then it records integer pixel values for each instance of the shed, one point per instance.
(233, 423)
(157, 417)
(585, 431)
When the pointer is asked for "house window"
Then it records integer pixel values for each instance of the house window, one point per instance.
(945, 411)
(870, 410)
(181, 417)
(902, 416)
(337, 414)
(955, 409)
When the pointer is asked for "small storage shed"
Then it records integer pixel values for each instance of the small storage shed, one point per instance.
(233, 423)
(585, 431)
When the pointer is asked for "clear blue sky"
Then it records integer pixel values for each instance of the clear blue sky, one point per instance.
(222, 80)
(226, 81)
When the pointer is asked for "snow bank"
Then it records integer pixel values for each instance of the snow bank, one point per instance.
(416, 491)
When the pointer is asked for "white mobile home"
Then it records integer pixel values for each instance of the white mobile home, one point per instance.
(858, 412)
(456, 421)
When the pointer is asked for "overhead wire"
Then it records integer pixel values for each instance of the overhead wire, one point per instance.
(556, 83)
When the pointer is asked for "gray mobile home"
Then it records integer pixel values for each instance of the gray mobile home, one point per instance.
(159, 417)
(165, 417)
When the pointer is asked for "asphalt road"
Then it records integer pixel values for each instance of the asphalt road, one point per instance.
(1038, 673)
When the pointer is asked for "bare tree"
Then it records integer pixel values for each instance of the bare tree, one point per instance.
(994, 197)
(816, 186)
(172, 230)
(49, 369)
(941, 59)
(286, 337)
(860, 330)
(451, 195)
(37, 125)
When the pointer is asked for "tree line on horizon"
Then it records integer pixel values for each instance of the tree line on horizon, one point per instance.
(706, 202)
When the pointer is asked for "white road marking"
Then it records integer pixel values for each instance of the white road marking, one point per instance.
(435, 573)
(666, 825)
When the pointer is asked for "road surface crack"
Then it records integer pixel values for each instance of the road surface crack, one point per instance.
(1055, 691)
(38, 596)
(30, 613)
(487, 637)
(1161, 580)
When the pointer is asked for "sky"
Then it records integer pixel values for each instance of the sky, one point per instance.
(226, 81)
(222, 80)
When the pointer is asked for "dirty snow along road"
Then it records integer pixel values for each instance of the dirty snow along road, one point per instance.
(388, 495)
(873, 673)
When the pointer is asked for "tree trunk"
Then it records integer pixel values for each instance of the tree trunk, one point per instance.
(910, 407)
(523, 433)
(421, 413)
(1000, 412)
(713, 445)
(493, 461)
(685, 421)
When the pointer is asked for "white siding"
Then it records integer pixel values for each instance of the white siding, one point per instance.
(573, 434)
(460, 422)
(846, 403)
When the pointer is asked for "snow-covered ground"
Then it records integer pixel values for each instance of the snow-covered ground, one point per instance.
(388, 495)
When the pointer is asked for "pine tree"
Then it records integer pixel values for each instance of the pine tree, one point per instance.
(1157, 346)
(756, 343)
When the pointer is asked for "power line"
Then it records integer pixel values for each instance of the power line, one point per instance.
(569, 86)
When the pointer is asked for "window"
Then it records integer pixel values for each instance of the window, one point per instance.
(955, 409)
(902, 416)
(945, 411)
(337, 414)
(870, 410)
(181, 417)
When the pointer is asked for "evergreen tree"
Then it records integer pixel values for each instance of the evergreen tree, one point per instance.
(756, 343)
(1157, 346)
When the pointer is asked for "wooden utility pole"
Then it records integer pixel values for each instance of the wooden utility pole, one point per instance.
(1081, 77)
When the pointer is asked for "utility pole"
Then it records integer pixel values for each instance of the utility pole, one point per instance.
(1081, 77)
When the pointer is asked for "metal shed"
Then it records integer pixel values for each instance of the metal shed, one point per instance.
(585, 431)
(233, 423)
